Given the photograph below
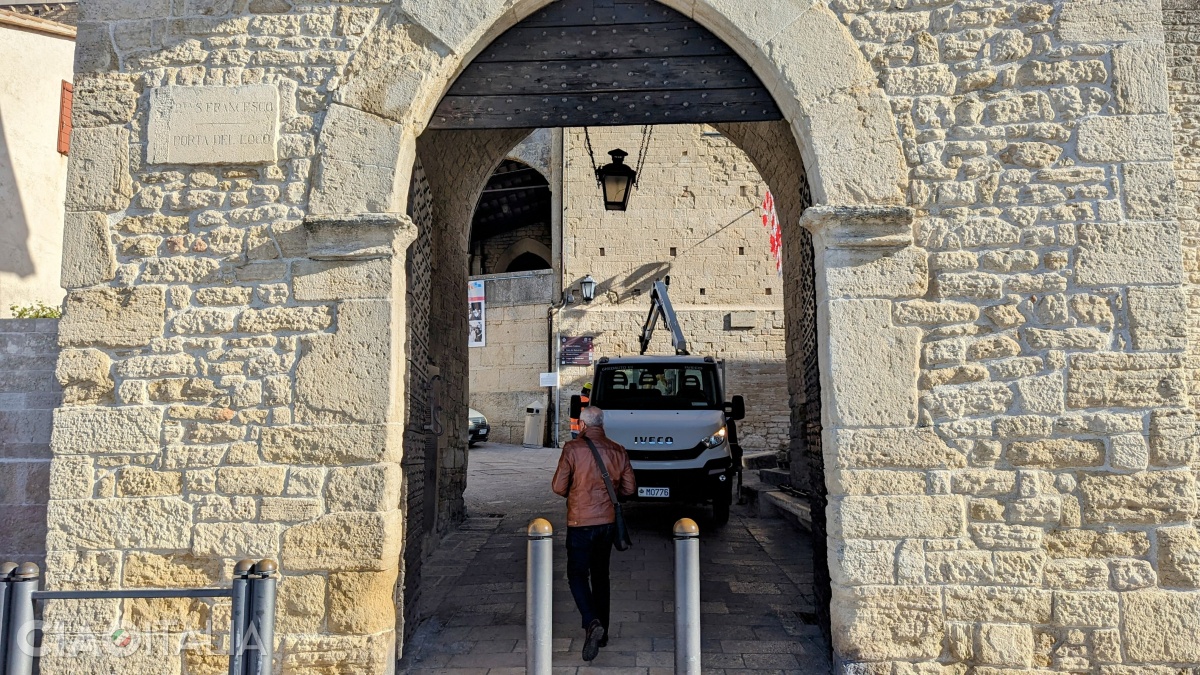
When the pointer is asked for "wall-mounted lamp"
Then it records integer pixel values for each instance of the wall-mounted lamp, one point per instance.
(587, 287)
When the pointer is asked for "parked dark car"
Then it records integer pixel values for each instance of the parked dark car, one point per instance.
(477, 428)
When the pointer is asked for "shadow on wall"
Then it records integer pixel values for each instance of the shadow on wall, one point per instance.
(29, 394)
(14, 227)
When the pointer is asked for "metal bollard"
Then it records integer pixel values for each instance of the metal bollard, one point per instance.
(6, 571)
(239, 616)
(687, 597)
(261, 634)
(539, 598)
(20, 626)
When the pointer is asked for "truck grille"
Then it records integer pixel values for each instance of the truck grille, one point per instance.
(666, 455)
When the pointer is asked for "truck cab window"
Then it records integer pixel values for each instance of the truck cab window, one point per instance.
(657, 388)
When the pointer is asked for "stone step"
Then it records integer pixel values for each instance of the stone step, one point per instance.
(775, 477)
(753, 461)
(770, 502)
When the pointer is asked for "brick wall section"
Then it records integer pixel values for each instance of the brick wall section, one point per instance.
(28, 395)
(1181, 20)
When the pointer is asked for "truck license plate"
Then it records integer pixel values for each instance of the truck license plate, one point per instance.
(654, 492)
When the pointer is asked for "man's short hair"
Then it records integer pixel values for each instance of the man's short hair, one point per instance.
(592, 417)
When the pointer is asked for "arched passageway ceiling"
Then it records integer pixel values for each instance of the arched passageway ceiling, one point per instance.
(600, 63)
(800, 50)
(516, 195)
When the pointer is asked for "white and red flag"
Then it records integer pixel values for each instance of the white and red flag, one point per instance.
(770, 221)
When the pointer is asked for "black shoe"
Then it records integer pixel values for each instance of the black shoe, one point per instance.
(604, 640)
(594, 640)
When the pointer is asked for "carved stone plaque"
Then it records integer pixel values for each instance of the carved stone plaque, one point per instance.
(214, 125)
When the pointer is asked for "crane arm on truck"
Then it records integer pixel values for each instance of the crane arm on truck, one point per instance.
(660, 307)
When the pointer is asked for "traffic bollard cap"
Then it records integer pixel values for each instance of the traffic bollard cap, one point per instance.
(27, 571)
(266, 568)
(7, 569)
(243, 568)
(540, 527)
(686, 528)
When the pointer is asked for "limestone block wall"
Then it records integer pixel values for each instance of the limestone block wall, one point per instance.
(1181, 20)
(29, 393)
(504, 373)
(235, 373)
(1009, 445)
(1052, 437)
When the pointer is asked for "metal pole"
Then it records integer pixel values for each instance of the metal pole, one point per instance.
(6, 571)
(262, 618)
(539, 598)
(239, 616)
(687, 597)
(20, 623)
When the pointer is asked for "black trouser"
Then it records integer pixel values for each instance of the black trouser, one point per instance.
(588, 551)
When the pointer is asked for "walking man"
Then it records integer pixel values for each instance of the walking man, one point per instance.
(591, 520)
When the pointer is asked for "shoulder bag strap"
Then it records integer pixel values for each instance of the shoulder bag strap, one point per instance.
(612, 494)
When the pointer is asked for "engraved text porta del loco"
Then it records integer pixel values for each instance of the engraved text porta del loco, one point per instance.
(214, 125)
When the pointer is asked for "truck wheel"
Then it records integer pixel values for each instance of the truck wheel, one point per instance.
(720, 506)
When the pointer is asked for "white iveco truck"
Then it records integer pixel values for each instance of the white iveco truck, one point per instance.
(671, 415)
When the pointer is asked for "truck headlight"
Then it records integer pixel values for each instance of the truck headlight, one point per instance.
(716, 439)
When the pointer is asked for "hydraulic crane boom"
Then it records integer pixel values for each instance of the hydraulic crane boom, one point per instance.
(660, 306)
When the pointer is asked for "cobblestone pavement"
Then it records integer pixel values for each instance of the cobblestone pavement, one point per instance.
(756, 577)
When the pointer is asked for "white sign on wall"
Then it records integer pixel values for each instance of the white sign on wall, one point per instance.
(214, 125)
(476, 314)
(549, 379)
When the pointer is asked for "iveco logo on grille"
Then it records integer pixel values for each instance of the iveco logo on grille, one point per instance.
(653, 440)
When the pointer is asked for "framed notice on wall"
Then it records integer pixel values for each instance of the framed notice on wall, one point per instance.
(575, 351)
(476, 312)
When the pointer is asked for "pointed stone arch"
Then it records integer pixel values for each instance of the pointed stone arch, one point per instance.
(520, 248)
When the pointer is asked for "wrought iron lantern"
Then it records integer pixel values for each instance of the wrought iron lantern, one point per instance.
(587, 288)
(617, 180)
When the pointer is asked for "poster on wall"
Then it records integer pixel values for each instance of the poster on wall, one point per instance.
(476, 325)
(575, 351)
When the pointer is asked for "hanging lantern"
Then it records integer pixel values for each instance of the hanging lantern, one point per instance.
(617, 181)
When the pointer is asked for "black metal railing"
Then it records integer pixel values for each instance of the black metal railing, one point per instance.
(252, 624)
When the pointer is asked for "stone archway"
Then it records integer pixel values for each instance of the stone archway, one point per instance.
(1011, 481)
(863, 247)
(323, 454)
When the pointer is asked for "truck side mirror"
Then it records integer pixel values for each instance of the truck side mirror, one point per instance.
(736, 408)
(576, 406)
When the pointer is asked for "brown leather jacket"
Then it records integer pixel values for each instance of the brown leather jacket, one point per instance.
(579, 479)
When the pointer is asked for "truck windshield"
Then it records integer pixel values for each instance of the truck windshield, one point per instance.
(657, 387)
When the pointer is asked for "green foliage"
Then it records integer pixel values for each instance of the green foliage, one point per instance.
(36, 310)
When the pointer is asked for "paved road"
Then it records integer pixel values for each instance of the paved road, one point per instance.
(756, 577)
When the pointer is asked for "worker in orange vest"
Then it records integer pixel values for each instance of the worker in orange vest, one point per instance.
(584, 396)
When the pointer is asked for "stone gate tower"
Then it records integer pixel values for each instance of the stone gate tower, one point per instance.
(263, 244)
